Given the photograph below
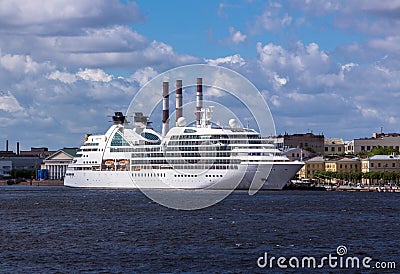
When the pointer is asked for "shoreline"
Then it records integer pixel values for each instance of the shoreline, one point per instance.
(339, 188)
(34, 183)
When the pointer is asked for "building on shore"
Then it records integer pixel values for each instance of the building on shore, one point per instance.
(298, 154)
(312, 166)
(5, 169)
(334, 146)
(40, 152)
(57, 163)
(384, 140)
(320, 164)
(307, 141)
(23, 160)
(343, 165)
(381, 163)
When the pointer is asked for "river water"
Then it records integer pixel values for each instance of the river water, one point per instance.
(64, 230)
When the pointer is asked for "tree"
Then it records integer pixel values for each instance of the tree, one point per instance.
(22, 173)
(309, 149)
(379, 150)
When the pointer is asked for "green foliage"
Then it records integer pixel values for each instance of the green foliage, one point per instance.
(377, 177)
(346, 176)
(309, 149)
(22, 173)
(379, 151)
(374, 177)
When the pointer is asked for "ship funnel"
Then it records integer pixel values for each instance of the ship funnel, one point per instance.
(178, 99)
(119, 118)
(165, 109)
(199, 99)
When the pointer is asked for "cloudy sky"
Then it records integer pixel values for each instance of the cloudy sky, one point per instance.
(330, 67)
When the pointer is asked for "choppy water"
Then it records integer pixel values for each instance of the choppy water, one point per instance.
(57, 229)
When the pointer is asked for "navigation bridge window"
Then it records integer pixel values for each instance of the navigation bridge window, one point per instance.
(151, 138)
(118, 140)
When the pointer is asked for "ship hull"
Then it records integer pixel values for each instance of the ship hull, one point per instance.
(272, 176)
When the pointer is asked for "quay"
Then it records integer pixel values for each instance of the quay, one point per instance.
(365, 189)
(10, 182)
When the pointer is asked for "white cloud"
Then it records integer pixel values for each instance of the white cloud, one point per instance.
(213, 91)
(279, 80)
(63, 16)
(64, 77)
(19, 64)
(349, 66)
(272, 19)
(9, 103)
(236, 36)
(142, 76)
(86, 35)
(62, 65)
(388, 44)
(96, 75)
(230, 60)
(305, 65)
(274, 99)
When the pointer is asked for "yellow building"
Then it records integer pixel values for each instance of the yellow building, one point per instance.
(381, 163)
(311, 166)
(319, 163)
(343, 165)
(334, 146)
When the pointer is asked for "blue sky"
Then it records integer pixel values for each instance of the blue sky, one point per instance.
(331, 67)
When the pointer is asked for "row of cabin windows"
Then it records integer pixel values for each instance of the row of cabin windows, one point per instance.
(185, 175)
(214, 137)
(210, 142)
(213, 175)
(148, 174)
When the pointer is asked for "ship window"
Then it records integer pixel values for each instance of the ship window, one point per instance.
(189, 130)
(150, 136)
(118, 140)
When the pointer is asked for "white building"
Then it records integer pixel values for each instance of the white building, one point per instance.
(5, 169)
(334, 146)
(298, 154)
(57, 163)
(367, 144)
(381, 163)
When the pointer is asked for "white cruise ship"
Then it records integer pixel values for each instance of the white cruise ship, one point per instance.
(133, 155)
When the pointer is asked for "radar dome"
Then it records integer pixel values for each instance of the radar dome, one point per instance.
(232, 123)
(181, 122)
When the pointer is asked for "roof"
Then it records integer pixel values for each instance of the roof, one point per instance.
(334, 141)
(347, 160)
(70, 151)
(384, 157)
(317, 159)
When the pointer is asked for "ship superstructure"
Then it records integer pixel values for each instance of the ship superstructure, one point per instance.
(203, 155)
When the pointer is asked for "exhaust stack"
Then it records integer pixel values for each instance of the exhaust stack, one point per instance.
(199, 99)
(165, 109)
(178, 99)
